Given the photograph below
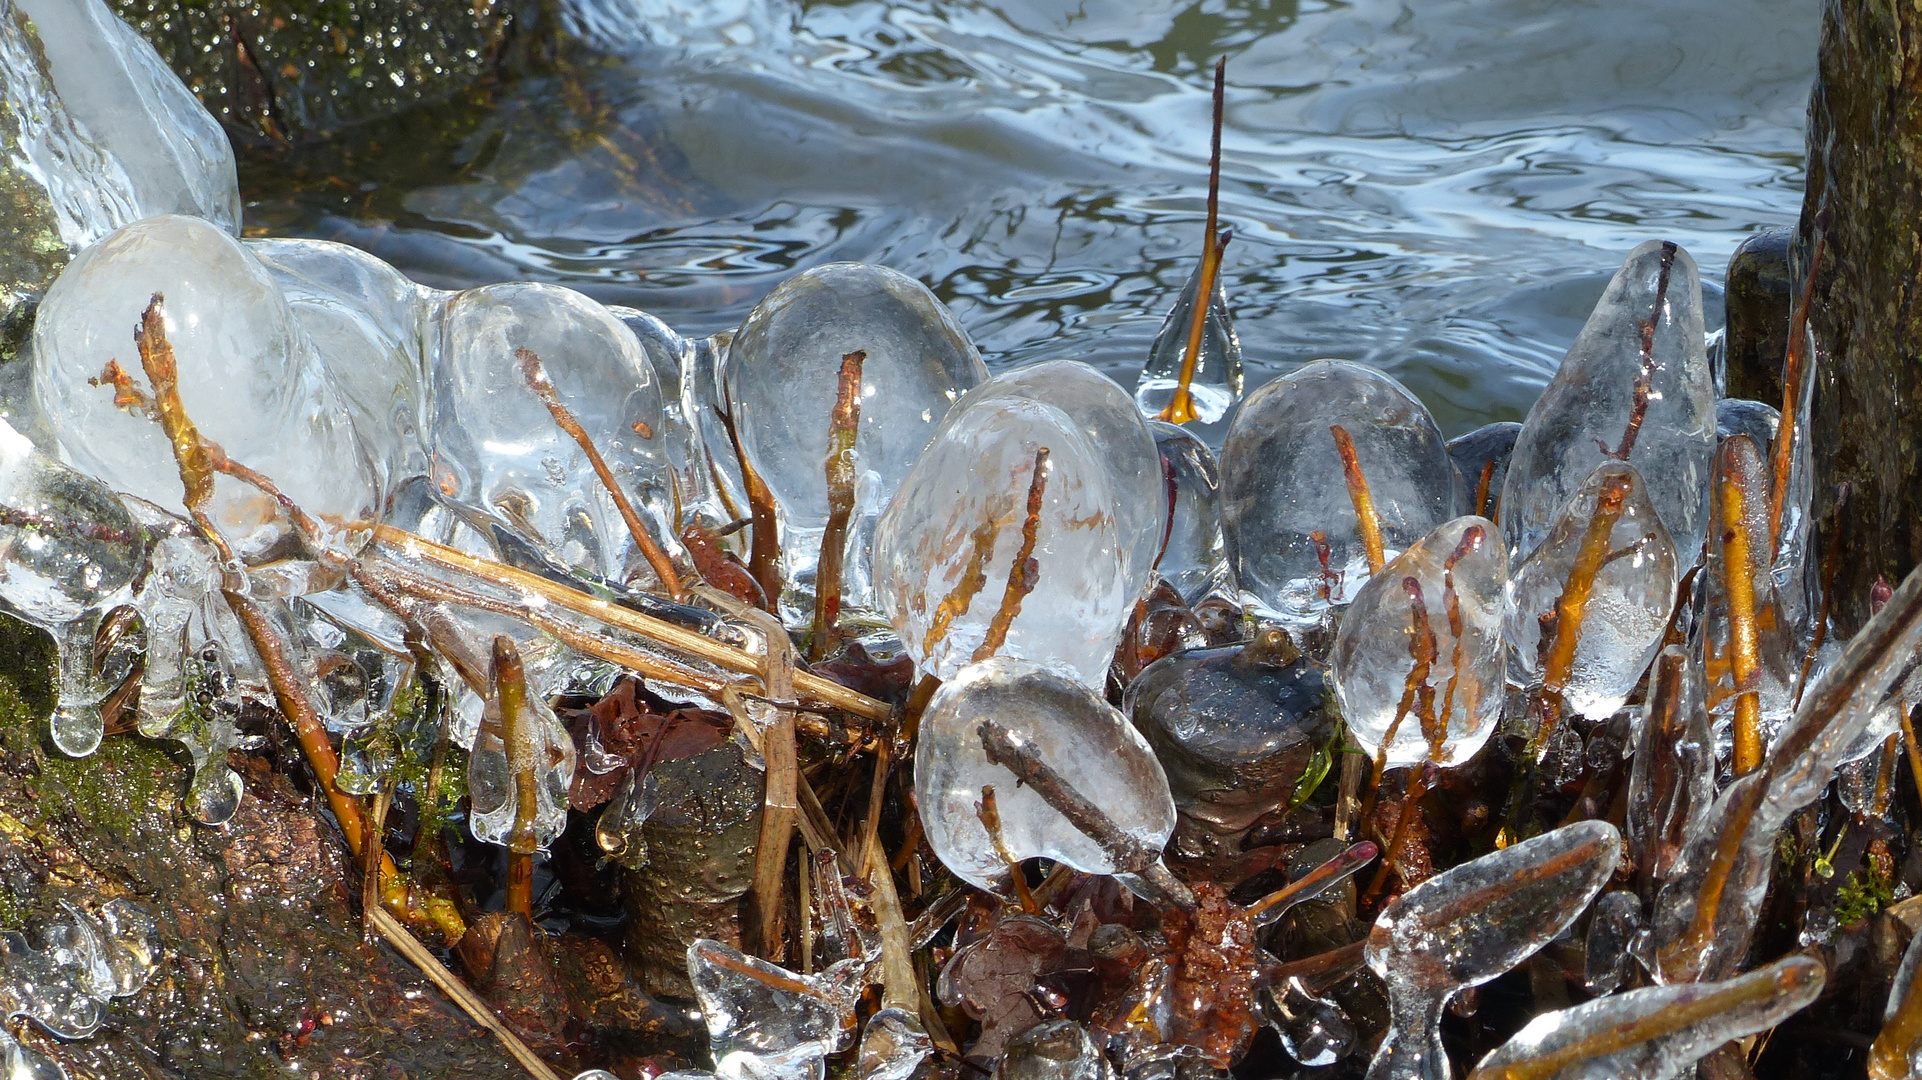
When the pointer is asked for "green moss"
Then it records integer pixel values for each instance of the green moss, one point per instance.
(1864, 895)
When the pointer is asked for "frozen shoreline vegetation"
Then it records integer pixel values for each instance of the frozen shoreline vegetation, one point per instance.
(901, 720)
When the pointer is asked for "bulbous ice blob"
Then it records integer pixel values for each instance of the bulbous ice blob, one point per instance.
(1193, 559)
(1293, 539)
(972, 526)
(1587, 609)
(893, 1045)
(1481, 458)
(783, 374)
(249, 379)
(1636, 388)
(765, 1022)
(1216, 385)
(1314, 1030)
(365, 319)
(1418, 662)
(111, 133)
(1471, 923)
(1075, 733)
(498, 449)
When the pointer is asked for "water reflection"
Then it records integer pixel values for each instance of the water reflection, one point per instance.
(1439, 187)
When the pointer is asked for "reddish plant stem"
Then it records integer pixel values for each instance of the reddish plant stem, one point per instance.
(1026, 569)
(844, 424)
(1645, 377)
(1792, 373)
(764, 551)
(1367, 521)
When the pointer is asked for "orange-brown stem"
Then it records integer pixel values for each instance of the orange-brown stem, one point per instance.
(1572, 607)
(1708, 904)
(518, 741)
(1645, 375)
(1025, 572)
(1744, 637)
(1366, 519)
(844, 424)
(764, 551)
(1181, 407)
(1792, 366)
(1481, 488)
(988, 810)
(1417, 787)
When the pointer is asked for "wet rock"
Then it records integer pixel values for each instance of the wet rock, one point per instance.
(1758, 294)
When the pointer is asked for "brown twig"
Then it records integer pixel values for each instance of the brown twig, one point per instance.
(764, 554)
(1792, 373)
(781, 807)
(534, 373)
(844, 425)
(1645, 375)
(1367, 521)
(1181, 407)
(1271, 907)
(974, 576)
(1418, 783)
(518, 743)
(1026, 569)
(1481, 488)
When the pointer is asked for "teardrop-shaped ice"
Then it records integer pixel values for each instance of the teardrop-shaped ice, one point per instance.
(111, 133)
(1075, 733)
(249, 378)
(1294, 542)
(1216, 385)
(1418, 661)
(1314, 1030)
(498, 449)
(366, 320)
(1193, 559)
(1740, 634)
(519, 737)
(975, 534)
(783, 375)
(1468, 924)
(1635, 387)
(1588, 607)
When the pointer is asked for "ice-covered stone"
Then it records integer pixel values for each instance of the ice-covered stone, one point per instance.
(1294, 542)
(1193, 558)
(765, 1022)
(248, 377)
(783, 374)
(1588, 606)
(975, 532)
(1636, 388)
(1216, 385)
(1072, 731)
(1418, 662)
(519, 736)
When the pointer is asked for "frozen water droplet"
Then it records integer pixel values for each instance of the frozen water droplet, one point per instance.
(765, 1022)
(1293, 540)
(783, 372)
(249, 378)
(1073, 731)
(1053, 1050)
(1314, 1030)
(1217, 380)
(1418, 661)
(972, 526)
(87, 962)
(1473, 922)
(1484, 452)
(1635, 387)
(1592, 644)
(1616, 921)
(893, 1045)
(518, 734)
(1194, 559)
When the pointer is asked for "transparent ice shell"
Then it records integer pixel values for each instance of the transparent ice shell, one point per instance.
(1083, 738)
(1194, 558)
(765, 1022)
(1437, 608)
(1216, 385)
(494, 796)
(1635, 387)
(1286, 515)
(1628, 604)
(1740, 478)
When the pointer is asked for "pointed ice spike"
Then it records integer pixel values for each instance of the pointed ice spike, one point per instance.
(1469, 924)
(1419, 658)
(1294, 543)
(249, 378)
(1588, 607)
(1193, 558)
(1003, 540)
(1657, 1033)
(782, 374)
(1068, 728)
(1217, 381)
(498, 449)
(765, 1022)
(893, 1045)
(1635, 387)
(1739, 635)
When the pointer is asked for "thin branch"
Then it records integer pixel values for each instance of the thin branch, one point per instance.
(1367, 521)
(1792, 375)
(1181, 407)
(1739, 593)
(1025, 572)
(988, 812)
(764, 554)
(1572, 606)
(1645, 375)
(843, 426)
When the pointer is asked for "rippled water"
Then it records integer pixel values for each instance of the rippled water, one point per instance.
(1439, 187)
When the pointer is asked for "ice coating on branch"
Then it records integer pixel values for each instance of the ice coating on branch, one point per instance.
(1419, 658)
(1068, 726)
(783, 371)
(1193, 559)
(1484, 451)
(87, 960)
(521, 750)
(498, 449)
(106, 128)
(1293, 539)
(765, 1022)
(1671, 781)
(1659, 1032)
(1635, 387)
(1471, 923)
(1615, 922)
(974, 524)
(1591, 642)
(365, 319)
(249, 378)
(1738, 596)
(1216, 385)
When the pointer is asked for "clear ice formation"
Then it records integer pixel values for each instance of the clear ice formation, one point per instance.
(498, 450)
(1671, 780)
(1193, 558)
(1485, 450)
(106, 127)
(767, 1023)
(782, 378)
(249, 378)
(1418, 662)
(68, 551)
(1738, 551)
(893, 1045)
(1591, 642)
(1313, 1030)
(1471, 923)
(1076, 733)
(518, 732)
(1635, 387)
(88, 960)
(1053, 1050)
(1665, 1029)
(1614, 924)
(1216, 385)
(1293, 539)
(1738, 416)
(965, 534)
